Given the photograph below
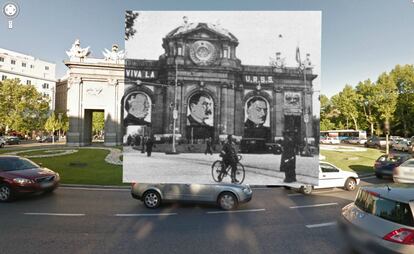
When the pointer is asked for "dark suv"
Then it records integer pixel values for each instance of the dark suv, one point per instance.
(385, 164)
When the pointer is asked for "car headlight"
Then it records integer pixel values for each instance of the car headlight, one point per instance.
(247, 190)
(22, 181)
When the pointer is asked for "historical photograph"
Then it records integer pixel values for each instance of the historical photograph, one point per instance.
(222, 97)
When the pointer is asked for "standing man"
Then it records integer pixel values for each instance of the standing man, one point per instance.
(208, 147)
(150, 144)
(288, 159)
(229, 155)
(143, 141)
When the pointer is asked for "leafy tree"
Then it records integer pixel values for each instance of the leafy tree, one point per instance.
(22, 107)
(403, 77)
(367, 91)
(52, 124)
(98, 122)
(130, 17)
(346, 102)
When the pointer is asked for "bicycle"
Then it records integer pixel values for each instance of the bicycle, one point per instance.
(218, 173)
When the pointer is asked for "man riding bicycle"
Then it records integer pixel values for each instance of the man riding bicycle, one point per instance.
(230, 158)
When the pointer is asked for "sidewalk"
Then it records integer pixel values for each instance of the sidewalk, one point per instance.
(261, 169)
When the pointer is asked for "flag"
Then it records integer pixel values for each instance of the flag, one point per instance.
(298, 56)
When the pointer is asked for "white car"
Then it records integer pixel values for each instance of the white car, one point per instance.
(405, 172)
(330, 140)
(403, 145)
(2, 142)
(331, 177)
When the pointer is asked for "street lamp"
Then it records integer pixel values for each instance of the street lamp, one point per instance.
(175, 111)
(302, 67)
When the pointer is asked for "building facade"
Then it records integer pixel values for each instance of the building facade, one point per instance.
(201, 84)
(198, 86)
(30, 71)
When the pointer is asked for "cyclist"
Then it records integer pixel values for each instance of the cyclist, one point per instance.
(229, 155)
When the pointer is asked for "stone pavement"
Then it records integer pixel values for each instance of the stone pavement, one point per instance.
(261, 169)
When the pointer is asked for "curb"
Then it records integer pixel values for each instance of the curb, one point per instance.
(94, 186)
(366, 175)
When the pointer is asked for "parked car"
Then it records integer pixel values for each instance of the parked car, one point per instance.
(330, 140)
(226, 196)
(380, 220)
(356, 141)
(331, 176)
(48, 139)
(402, 145)
(12, 140)
(19, 176)
(404, 173)
(2, 142)
(385, 164)
(377, 142)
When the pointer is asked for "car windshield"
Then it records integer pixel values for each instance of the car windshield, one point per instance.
(14, 163)
(409, 163)
(387, 209)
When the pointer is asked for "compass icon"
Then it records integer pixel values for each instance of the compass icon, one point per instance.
(10, 10)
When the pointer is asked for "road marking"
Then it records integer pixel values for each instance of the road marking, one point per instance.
(328, 224)
(238, 211)
(57, 214)
(294, 194)
(143, 214)
(315, 205)
(93, 189)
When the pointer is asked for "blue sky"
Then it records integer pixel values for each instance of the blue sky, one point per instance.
(360, 39)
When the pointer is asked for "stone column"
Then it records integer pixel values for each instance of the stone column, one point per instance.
(238, 111)
(111, 117)
(223, 109)
(230, 109)
(75, 114)
(278, 102)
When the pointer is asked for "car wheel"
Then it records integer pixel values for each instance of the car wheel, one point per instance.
(1, 145)
(307, 189)
(379, 176)
(152, 199)
(350, 184)
(227, 201)
(5, 193)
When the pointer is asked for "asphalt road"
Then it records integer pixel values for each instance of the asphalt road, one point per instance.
(76, 220)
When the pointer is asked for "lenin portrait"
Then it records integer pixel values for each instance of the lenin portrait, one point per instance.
(256, 124)
(200, 116)
(138, 109)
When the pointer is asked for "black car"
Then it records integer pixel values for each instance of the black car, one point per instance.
(385, 164)
(12, 140)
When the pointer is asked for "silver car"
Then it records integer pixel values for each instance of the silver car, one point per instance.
(405, 172)
(381, 219)
(227, 196)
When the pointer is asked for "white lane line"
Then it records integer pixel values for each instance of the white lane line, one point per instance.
(57, 214)
(143, 214)
(294, 194)
(315, 205)
(328, 224)
(238, 211)
(92, 189)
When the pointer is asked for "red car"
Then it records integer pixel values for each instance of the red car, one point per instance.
(20, 176)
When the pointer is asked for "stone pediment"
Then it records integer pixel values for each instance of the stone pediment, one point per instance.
(201, 30)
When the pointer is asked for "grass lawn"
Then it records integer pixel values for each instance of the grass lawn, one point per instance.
(360, 162)
(42, 152)
(87, 166)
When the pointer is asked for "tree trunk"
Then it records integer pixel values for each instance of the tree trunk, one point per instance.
(372, 129)
(355, 122)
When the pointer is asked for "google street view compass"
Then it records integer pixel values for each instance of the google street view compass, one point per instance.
(10, 10)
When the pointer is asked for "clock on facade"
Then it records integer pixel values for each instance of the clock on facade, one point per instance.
(203, 52)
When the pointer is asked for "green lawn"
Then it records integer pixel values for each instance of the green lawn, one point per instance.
(42, 152)
(360, 162)
(87, 166)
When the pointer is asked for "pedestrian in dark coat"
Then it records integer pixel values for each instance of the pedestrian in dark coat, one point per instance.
(288, 159)
(143, 141)
(149, 144)
(208, 147)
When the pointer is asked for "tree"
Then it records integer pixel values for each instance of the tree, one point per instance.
(52, 124)
(403, 77)
(367, 91)
(346, 102)
(130, 17)
(386, 100)
(22, 107)
(98, 122)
